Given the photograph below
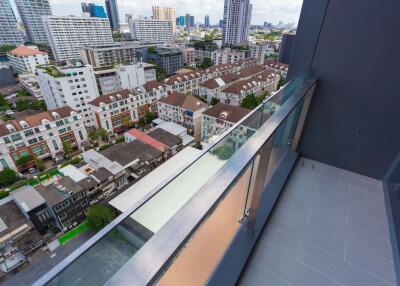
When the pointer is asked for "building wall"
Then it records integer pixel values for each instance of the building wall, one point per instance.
(286, 48)
(354, 114)
(27, 64)
(75, 91)
(151, 30)
(9, 34)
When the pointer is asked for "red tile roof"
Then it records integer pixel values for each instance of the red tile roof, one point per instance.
(149, 86)
(184, 77)
(112, 97)
(213, 84)
(35, 119)
(183, 101)
(227, 112)
(144, 138)
(23, 51)
(276, 65)
(246, 84)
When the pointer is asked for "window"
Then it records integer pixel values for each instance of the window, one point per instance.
(55, 145)
(28, 133)
(62, 216)
(47, 126)
(6, 140)
(37, 130)
(80, 134)
(32, 141)
(107, 125)
(50, 134)
(75, 117)
(84, 202)
(40, 138)
(59, 123)
(15, 137)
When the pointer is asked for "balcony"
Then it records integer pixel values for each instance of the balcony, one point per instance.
(246, 211)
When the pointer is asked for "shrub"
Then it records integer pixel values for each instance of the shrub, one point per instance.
(24, 160)
(104, 147)
(98, 216)
(8, 177)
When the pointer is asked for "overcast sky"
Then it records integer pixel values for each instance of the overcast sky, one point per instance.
(263, 10)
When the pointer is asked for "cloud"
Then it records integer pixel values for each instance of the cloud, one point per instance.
(263, 10)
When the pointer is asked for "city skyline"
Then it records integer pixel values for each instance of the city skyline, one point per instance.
(271, 10)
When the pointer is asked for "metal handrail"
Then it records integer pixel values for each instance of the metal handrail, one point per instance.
(113, 224)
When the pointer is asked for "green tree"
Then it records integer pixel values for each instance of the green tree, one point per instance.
(22, 161)
(249, 101)
(103, 134)
(207, 62)
(6, 48)
(3, 102)
(8, 177)
(98, 216)
(67, 148)
(149, 117)
(39, 164)
(38, 105)
(22, 104)
(127, 123)
(161, 73)
(117, 36)
(214, 101)
(93, 135)
(23, 92)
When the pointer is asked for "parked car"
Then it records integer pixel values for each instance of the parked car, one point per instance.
(31, 170)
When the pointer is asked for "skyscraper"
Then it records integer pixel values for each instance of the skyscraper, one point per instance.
(112, 12)
(94, 10)
(207, 21)
(165, 13)
(237, 18)
(180, 21)
(31, 12)
(189, 21)
(9, 33)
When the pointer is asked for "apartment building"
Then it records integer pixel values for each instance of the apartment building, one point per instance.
(67, 34)
(109, 55)
(277, 67)
(258, 51)
(170, 59)
(165, 13)
(71, 85)
(266, 81)
(227, 55)
(184, 110)
(113, 111)
(151, 29)
(41, 136)
(24, 59)
(236, 21)
(189, 55)
(31, 12)
(122, 77)
(112, 12)
(9, 33)
(154, 91)
(219, 118)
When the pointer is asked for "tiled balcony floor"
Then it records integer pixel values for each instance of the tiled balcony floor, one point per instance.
(329, 228)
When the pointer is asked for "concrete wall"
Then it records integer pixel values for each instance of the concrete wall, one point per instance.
(353, 49)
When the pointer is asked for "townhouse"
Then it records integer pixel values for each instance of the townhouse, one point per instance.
(187, 82)
(41, 136)
(184, 110)
(277, 67)
(265, 81)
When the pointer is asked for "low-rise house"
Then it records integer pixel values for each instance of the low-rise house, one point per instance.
(154, 91)
(277, 67)
(114, 111)
(184, 110)
(212, 88)
(187, 82)
(176, 130)
(24, 59)
(68, 201)
(266, 81)
(173, 142)
(41, 136)
(220, 118)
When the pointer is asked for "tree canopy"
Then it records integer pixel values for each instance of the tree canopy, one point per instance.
(98, 216)
(206, 63)
(8, 177)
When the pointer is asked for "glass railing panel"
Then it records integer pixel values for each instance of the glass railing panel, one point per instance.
(201, 253)
(108, 255)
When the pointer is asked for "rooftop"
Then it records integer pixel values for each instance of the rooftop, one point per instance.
(127, 153)
(214, 83)
(11, 218)
(27, 198)
(113, 97)
(24, 51)
(102, 174)
(184, 101)
(147, 139)
(60, 190)
(149, 86)
(165, 137)
(227, 112)
(245, 84)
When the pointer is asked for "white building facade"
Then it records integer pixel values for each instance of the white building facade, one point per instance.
(41, 136)
(9, 34)
(227, 55)
(66, 34)
(73, 86)
(237, 20)
(24, 59)
(151, 29)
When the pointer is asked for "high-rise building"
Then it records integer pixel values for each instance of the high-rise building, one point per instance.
(72, 85)
(180, 21)
(31, 12)
(286, 48)
(207, 21)
(189, 21)
(25, 59)
(151, 29)
(165, 13)
(237, 18)
(112, 12)
(94, 10)
(170, 59)
(67, 34)
(9, 34)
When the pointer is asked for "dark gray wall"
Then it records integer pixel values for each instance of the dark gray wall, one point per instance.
(286, 48)
(6, 76)
(354, 118)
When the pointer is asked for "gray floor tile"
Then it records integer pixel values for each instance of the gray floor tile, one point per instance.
(328, 228)
(259, 276)
(377, 266)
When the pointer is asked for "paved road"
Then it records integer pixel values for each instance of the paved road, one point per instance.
(34, 271)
